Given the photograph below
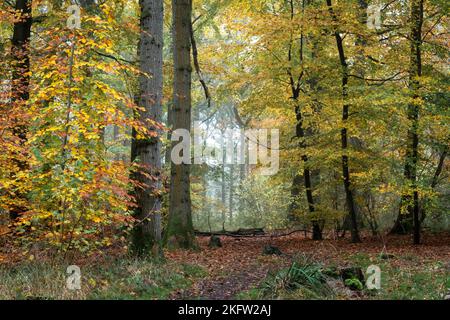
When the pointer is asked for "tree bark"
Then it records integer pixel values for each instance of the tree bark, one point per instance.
(147, 150)
(414, 73)
(410, 221)
(300, 133)
(20, 62)
(180, 231)
(344, 137)
(433, 184)
(223, 186)
(230, 196)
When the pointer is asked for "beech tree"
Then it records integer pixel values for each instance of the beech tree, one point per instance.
(344, 137)
(411, 220)
(300, 130)
(180, 231)
(361, 112)
(146, 150)
(20, 82)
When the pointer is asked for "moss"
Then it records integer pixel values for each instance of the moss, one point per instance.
(354, 284)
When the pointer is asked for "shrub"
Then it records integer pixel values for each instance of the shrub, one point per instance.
(306, 276)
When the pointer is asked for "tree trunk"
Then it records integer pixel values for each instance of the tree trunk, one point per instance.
(20, 83)
(410, 221)
(147, 150)
(433, 184)
(169, 123)
(344, 138)
(180, 231)
(223, 186)
(231, 194)
(300, 133)
(414, 73)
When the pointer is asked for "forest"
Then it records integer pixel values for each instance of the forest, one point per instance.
(224, 150)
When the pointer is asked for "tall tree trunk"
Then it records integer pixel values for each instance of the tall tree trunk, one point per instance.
(180, 230)
(357, 143)
(223, 186)
(169, 123)
(20, 63)
(410, 221)
(147, 150)
(433, 184)
(344, 138)
(415, 72)
(300, 133)
(231, 194)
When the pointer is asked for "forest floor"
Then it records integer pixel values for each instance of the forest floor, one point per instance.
(239, 270)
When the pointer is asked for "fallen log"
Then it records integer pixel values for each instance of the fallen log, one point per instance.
(247, 233)
(238, 233)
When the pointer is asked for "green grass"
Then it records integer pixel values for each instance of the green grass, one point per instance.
(402, 278)
(407, 277)
(115, 279)
(251, 294)
(429, 282)
(303, 279)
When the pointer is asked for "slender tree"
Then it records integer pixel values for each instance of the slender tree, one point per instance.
(223, 185)
(20, 93)
(147, 150)
(231, 195)
(415, 72)
(434, 183)
(300, 132)
(344, 137)
(409, 221)
(180, 230)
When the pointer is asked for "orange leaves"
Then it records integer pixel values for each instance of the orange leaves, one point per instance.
(78, 116)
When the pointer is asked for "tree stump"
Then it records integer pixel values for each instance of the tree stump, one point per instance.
(271, 250)
(353, 278)
(214, 242)
(387, 256)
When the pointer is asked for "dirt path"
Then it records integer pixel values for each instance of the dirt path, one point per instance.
(222, 287)
(236, 267)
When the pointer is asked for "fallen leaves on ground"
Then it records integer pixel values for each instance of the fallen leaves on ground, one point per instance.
(239, 264)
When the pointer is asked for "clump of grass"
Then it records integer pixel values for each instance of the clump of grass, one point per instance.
(305, 278)
(124, 278)
(250, 294)
(35, 281)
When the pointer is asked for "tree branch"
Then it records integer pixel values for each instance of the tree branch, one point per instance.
(197, 66)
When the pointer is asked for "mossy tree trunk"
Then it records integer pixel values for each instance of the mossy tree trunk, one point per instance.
(146, 236)
(180, 230)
